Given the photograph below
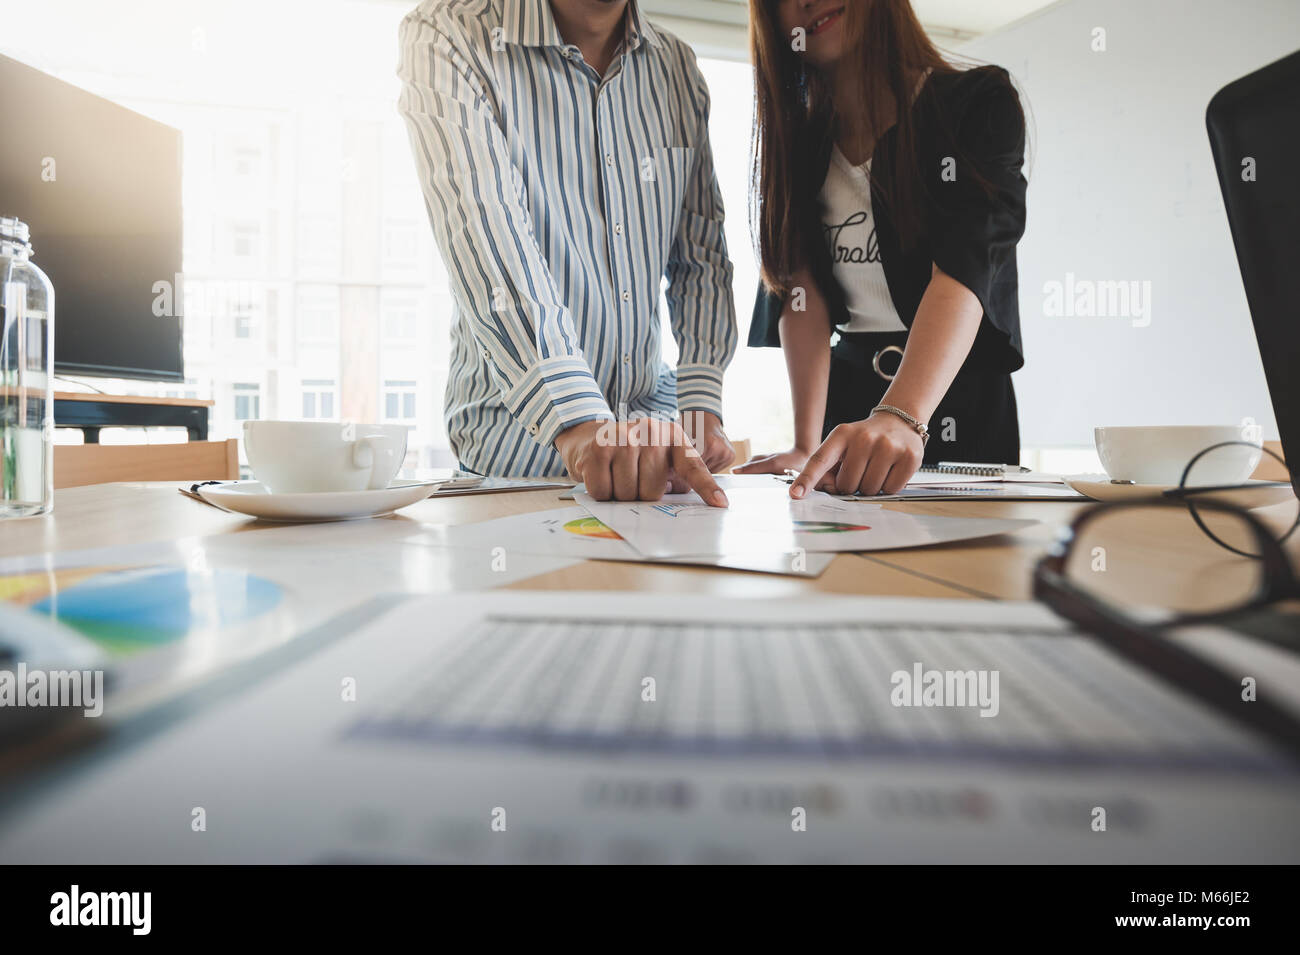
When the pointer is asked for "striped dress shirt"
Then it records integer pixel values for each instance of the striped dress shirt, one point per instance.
(561, 201)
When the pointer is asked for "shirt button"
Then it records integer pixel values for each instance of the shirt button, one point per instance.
(609, 159)
(533, 429)
(627, 296)
(618, 228)
(627, 359)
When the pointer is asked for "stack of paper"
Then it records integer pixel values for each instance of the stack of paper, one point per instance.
(763, 529)
(572, 532)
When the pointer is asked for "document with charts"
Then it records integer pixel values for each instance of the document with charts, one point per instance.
(628, 727)
(768, 520)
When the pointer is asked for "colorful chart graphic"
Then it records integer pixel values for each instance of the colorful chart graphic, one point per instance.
(827, 527)
(590, 527)
(126, 609)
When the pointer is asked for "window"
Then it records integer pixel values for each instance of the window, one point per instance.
(318, 398)
(320, 241)
(243, 301)
(248, 402)
(318, 314)
(399, 400)
(399, 320)
(245, 239)
(306, 160)
(245, 160)
(400, 243)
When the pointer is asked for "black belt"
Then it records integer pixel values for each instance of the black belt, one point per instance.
(873, 351)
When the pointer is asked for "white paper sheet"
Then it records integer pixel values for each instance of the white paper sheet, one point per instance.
(926, 477)
(531, 710)
(572, 532)
(766, 520)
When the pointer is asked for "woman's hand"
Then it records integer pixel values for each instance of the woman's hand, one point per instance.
(776, 463)
(864, 457)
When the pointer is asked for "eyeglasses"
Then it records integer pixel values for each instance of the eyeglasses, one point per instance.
(1111, 573)
(1201, 479)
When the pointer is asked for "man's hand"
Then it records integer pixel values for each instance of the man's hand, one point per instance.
(705, 431)
(635, 460)
(864, 457)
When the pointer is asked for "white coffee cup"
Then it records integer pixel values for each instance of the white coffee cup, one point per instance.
(1160, 454)
(293, 457)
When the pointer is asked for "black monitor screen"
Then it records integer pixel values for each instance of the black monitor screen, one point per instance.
(1254, 126)
(100, 188)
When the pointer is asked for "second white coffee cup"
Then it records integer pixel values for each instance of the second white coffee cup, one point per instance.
(294, 457)
(1159, 455)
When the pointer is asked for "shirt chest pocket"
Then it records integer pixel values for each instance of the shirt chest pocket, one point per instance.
(663, 179)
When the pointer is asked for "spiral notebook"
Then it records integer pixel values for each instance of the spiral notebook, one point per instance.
(949, 472)
(981, 489)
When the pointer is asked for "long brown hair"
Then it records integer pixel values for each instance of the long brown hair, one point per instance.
(794, 119)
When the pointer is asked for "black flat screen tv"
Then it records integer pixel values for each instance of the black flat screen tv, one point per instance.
(99, 186)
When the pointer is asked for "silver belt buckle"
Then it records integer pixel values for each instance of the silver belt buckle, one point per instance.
(875, 361)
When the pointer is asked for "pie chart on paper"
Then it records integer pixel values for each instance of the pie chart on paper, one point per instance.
(591, 527)
(828, 527)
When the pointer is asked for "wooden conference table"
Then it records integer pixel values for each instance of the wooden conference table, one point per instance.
(989, 569)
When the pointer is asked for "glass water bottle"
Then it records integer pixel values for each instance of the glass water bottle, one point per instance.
(26, 378)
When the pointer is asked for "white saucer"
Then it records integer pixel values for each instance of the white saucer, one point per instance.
(1252, 494)
(251, 498)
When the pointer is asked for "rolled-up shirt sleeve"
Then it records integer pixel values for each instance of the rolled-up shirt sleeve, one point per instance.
(481, 224)
(700, 299)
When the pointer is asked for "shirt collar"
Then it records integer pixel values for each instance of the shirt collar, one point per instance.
(530, 23)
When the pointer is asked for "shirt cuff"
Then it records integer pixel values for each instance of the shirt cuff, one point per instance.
(699, 388)
(556, 394)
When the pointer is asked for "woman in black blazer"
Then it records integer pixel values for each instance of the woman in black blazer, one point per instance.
(888, 198)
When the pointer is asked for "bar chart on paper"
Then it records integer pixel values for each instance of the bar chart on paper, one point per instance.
(824, 690)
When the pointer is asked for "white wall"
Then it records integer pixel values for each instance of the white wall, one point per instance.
(1122, 187)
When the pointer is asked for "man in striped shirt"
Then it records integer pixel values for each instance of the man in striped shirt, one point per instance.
(564, 155)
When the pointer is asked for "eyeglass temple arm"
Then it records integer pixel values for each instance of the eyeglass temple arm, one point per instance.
(1180, 668)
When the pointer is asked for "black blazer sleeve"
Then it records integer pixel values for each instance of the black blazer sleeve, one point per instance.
(764, 325)
(764, 328)
(974, 225)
